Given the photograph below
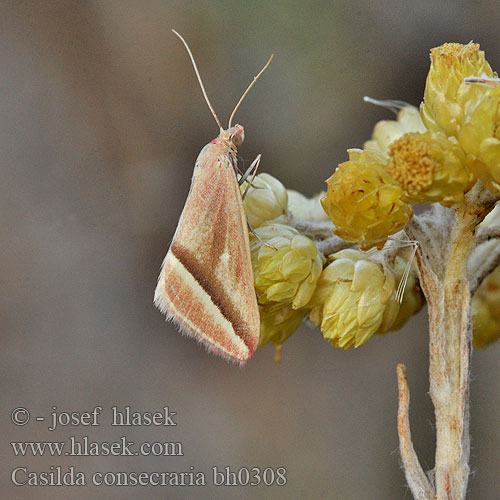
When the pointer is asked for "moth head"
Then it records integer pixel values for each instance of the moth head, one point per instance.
(236, 135)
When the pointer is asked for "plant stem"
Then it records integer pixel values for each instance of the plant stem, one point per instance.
(446, 286)
(415, 476)
(450, 331)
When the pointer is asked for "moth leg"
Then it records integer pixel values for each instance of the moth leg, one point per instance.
(258, 237)
(253, 167)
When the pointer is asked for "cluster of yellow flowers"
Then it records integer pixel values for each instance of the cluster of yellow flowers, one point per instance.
(432, 154)
(356, 297)
(351, 294)
(286, 264)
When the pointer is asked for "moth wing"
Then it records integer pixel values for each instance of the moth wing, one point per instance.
(206, 280)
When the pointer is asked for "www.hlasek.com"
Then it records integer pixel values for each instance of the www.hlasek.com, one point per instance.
(224, 476)
(85, 447)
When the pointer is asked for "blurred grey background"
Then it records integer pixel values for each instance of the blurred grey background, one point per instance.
(101, 121)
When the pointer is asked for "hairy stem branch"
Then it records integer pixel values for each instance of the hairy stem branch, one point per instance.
(443, 272)
(415, 476)
(315, 230)
(484, 259)
(487, 234)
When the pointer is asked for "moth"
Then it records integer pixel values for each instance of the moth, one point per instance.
(206, 281)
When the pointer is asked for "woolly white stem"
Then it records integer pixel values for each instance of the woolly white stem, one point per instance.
(444, 279)
(415, 476)
(484, 259)
(313, 229)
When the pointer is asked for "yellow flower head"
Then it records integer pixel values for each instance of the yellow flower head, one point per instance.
(266, 199)
(486, 307)
(447, 97)
(387, 131)
(480, 136)
(351, 298)
(429, 167)
(364, 201)
(287, 273)
(278, 322)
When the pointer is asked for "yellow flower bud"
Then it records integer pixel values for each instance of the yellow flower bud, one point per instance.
(288, 273)
(446, 96)
(301, 207)
(265, 200)
(277, 323)
(430, 167)
(480, 136)
(387, 131)
(351, 298)
(486, 307)
(364, 202)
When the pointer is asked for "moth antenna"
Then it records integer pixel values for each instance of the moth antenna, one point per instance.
(214, 114)
(255, 78)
